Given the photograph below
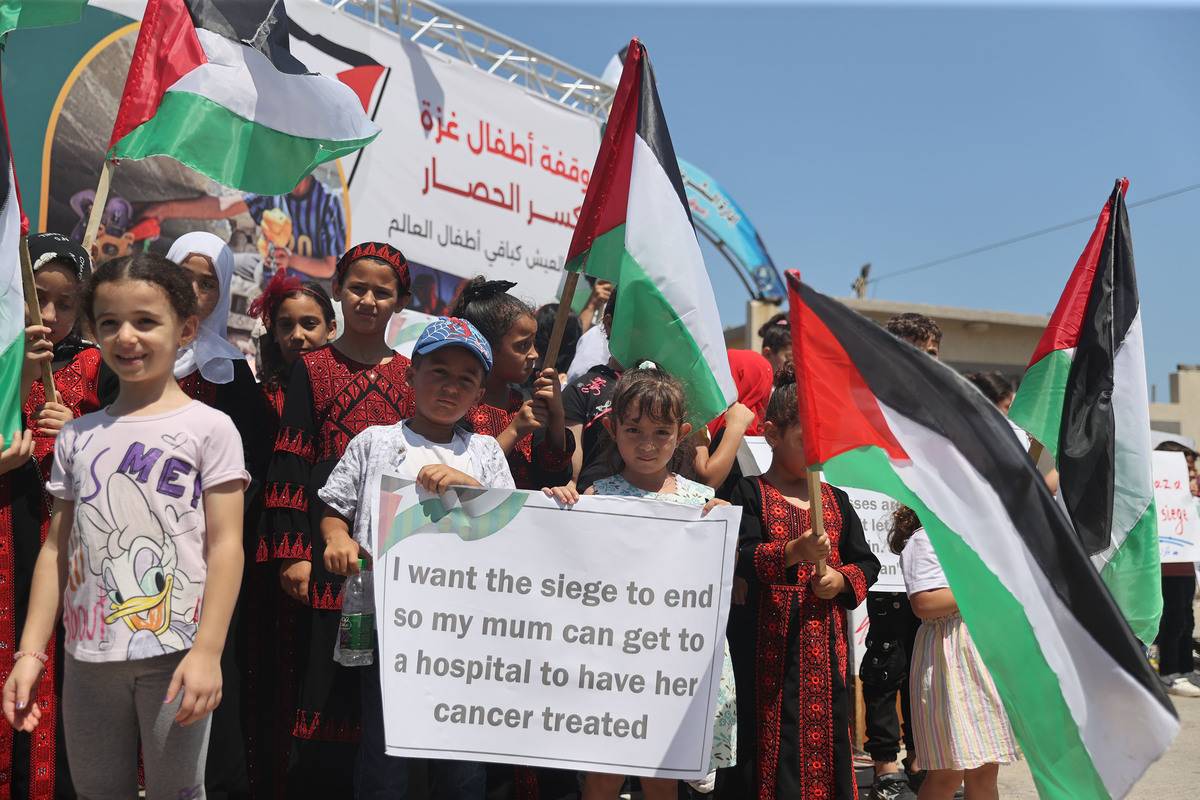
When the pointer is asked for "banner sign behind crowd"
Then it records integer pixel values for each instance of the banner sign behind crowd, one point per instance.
(1178, 527)
(511, 630)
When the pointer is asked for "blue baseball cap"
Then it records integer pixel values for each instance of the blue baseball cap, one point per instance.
(447, 331)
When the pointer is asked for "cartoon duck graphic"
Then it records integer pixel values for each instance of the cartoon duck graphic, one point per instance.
(146, 591)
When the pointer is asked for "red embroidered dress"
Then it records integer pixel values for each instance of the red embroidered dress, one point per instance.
(29, 764)
(534, 464)
(801, 704)
(329, 400)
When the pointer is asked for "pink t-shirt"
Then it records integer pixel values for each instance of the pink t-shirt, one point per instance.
(136, 559)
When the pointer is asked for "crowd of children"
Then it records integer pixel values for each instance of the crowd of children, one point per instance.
(175, 578)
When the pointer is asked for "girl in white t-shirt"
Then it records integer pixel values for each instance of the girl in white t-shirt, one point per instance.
(960, 729)
(144, 552)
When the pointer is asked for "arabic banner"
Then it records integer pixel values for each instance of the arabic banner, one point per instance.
(1178, 527)
(513, 631)
(471, 175)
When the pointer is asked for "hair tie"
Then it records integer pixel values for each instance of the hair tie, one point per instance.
(647, 365)
(273, 294)
(485, 289)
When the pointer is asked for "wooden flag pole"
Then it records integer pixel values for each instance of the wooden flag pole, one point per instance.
(815, 513)
(98, 203)
(34, 309)
(560, 320)
(1035, 450)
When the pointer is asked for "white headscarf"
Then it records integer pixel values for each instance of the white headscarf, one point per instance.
(210, 352)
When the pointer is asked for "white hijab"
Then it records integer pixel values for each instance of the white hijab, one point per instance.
(210, 352)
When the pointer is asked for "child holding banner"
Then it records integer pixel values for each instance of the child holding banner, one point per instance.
(648, 426)
(800, 745)
(451, 361)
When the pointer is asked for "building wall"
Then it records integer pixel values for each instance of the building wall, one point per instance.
(1182, 413)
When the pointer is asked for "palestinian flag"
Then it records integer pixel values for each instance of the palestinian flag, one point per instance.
(13, 227)
(38, 13)
(1084, 398)
(635, 229)
(1087, 709)
(213, 85)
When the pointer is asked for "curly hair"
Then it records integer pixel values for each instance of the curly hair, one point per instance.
(776, 332)
(916, 329)
(904, 525)
(489, 307)
(161, 271)
(783, 408)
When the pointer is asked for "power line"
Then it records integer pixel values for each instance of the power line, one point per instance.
(1025, 236)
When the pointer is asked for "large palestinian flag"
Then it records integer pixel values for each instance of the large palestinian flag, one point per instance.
(635, 229)
(1084, 398)
(13, 226)
(1087, 709)
(213, 85)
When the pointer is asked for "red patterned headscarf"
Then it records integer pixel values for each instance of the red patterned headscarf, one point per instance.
(381, 252)
(753, 376)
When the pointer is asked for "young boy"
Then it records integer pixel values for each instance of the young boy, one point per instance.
(450, 364)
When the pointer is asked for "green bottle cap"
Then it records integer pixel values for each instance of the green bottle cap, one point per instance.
(362, 564)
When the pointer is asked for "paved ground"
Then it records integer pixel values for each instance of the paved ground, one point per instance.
(1175, 777)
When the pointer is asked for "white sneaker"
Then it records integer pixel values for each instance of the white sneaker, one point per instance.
(1182, 687)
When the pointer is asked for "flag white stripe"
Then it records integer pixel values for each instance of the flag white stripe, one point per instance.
(659, 236)
(244, 81)
(1123, 728)
(12, 307)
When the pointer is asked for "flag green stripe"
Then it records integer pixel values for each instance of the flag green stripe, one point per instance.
(231, 150)
(647, 327)
(1133, 569)
(1038, 404)
(11, 362)
(1041, 719)
(38, 13)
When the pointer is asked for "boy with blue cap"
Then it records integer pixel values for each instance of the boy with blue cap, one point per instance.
(450, 364)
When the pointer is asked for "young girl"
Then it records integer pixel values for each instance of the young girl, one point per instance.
(802, 707)
(334, 393)
(647, 425)
(776, 334)
(144, 552)
(715, 462)
(298, 318)
(59, 268)
(961, 731)
(533, 433)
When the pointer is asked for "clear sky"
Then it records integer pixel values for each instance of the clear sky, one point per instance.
(898, 135)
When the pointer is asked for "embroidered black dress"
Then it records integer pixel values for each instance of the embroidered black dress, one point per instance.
(533, 462)
(329, 400)
(799, 741)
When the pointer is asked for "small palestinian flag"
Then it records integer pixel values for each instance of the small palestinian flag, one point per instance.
(213, 85)
(635, 229)
(13, 226)
(876, 413)
(1084, 398)
(38, 13)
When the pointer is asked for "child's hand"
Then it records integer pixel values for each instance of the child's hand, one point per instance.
(19, 450)
(738, 417)
(810, 547)
(741, 590)
(711, 504)
(829, 585)
(38, 350)
(293, 577)
(21, 711)
(547, 391)
(526, 420)
(52, 418)
(437, 478)
(342, 554)
(567, 495)
(199, 675)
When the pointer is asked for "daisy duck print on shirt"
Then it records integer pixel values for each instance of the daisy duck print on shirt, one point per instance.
(136, 558)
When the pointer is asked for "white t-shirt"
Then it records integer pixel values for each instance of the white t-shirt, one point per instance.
(590, 350)
(920, 566)
(136, 556)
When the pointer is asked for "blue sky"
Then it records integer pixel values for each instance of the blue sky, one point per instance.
(898, 135)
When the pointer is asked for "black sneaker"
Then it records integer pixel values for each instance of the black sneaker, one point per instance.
(892, 787)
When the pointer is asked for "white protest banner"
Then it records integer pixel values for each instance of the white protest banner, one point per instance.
(471, 175)
(512, 630)
(875, 510)
(1178, 528)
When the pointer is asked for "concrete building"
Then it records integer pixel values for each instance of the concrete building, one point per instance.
(1181, 412)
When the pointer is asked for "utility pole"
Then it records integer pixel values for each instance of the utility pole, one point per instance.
(860, 283)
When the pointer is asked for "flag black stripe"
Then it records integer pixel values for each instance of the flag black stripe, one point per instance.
(652, 128)
(261, 24)
(346, 55)
(933, 395)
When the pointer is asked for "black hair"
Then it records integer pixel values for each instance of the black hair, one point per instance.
(489, 307)
(571, 333)
(174, 280)
(904, 525)
(776, 333)
(783, 408)
(610, 307)
(916, 329)
(994, 385)
(272, 369)
(649, 391)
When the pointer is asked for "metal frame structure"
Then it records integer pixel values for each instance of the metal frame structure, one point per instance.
(441, 30)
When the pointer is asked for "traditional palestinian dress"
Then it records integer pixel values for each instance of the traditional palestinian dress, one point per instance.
(330, 399)
(800, 745)
(35, 766)
(533, 462)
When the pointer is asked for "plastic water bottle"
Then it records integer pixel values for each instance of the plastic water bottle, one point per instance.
(356, 632)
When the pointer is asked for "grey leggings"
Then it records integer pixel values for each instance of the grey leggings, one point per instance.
(105, 709)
